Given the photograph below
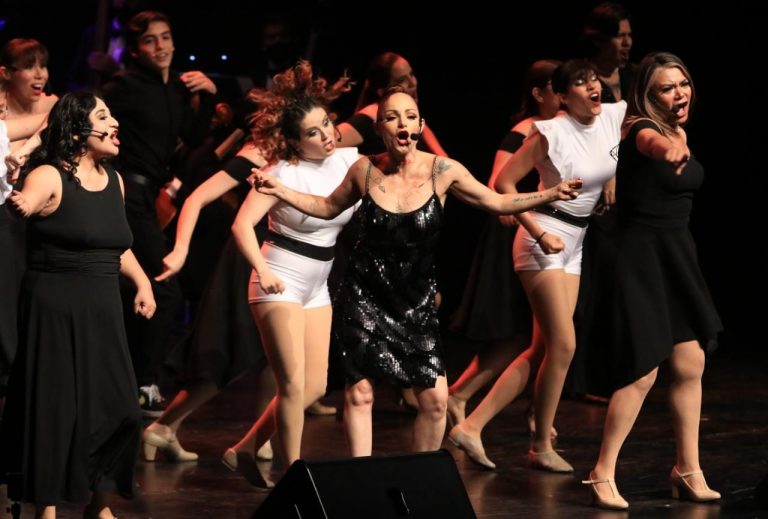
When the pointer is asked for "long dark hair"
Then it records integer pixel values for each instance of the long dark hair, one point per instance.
(63, 141)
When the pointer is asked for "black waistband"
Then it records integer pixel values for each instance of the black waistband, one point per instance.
(299, 247)
(578, 221)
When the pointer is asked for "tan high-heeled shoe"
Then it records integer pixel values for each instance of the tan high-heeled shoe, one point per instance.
(473, 447)
(265, 452)
(682, 489)
(612, 502)
(549, 461)
(152, 441)
(245, 465)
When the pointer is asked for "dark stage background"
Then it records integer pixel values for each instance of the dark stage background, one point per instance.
(469, 61)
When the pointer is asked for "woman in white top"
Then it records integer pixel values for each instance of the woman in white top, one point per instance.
(547, 252)
(12, 261)
(288, 292)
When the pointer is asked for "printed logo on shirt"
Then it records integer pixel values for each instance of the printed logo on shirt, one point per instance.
(615, 153)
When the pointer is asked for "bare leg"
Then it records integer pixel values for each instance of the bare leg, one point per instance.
(184, 403)
(261, 431)
(408, 396)
(358, 409)
(282, 333)
(429, 426)
(46, 512)
(483, 368)
(509, 385)
(298, 351)
(317, 337)
(687, 367)
(623, 409)
(552, 294)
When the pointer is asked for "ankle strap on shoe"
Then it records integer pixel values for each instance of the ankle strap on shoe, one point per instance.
(596, 481)
(687, 474)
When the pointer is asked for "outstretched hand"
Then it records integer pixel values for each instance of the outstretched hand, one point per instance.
(172, 264)
(569, 189)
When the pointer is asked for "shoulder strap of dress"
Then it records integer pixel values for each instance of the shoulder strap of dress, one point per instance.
(641, 124)
(368, 176)
(434, 174)
(111, 173)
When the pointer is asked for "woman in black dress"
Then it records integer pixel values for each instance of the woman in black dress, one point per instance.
(386, 317)
(652, 301)
(72, 420)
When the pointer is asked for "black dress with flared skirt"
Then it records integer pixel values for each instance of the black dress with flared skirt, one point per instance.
(651, 293)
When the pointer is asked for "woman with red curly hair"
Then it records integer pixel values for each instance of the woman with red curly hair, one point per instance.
(288, 290)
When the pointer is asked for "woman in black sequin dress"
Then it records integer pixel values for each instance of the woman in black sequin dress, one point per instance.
(385, 315)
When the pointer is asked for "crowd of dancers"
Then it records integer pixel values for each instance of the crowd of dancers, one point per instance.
(592, 186)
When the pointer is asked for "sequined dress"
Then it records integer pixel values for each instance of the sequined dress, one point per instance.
(385, 316)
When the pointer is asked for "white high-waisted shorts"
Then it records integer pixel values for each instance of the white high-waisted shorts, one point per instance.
(305, 279)
(529, 256)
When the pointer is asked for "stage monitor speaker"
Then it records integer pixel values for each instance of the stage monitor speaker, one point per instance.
(418, 486)
(761, 492)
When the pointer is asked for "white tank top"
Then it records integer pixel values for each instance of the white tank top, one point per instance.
(315, 178)
(581, 151)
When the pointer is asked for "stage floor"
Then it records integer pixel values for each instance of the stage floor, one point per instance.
(734, 455)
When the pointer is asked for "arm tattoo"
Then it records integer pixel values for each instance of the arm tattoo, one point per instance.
(532, 196)
(442, 166)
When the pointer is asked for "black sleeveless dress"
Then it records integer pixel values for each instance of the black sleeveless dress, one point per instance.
(72, 420)
(385, 316)
(651, 293)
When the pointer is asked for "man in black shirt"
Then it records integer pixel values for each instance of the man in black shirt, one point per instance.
(156, 108)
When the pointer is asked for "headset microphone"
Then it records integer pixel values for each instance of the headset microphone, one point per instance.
(415, 136)
(101, 135)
